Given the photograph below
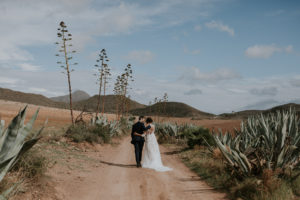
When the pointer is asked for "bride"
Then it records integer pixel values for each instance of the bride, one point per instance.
(152, 158)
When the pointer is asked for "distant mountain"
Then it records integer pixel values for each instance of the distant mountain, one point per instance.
(78, 95)
(172, 109)
(110, 104)
(246, 113)
(36, 99)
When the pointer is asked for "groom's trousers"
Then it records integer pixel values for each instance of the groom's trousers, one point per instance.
(138, 148)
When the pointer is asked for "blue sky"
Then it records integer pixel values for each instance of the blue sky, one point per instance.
(216, 55)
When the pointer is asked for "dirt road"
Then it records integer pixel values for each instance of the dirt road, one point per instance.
(113, 175)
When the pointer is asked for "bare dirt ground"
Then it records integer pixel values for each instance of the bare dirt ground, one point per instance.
(108, 171)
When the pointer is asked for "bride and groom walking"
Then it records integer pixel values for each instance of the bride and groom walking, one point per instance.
(143, 133)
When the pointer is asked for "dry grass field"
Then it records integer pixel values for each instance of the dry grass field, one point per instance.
(56, 117)
(61, 117)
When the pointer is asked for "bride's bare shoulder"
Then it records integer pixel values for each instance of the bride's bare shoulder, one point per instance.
(152, 127)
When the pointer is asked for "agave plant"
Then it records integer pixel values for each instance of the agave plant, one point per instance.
(162, 129)
(99, 119)
(14, 140)
(115, 127)
(264, 142)
(2, 125)
(173, 130)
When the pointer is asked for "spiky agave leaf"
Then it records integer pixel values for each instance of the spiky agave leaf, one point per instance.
(267, 141)
(12, 141)
(2, 126)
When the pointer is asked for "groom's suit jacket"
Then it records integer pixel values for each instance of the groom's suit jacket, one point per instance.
(140, 128)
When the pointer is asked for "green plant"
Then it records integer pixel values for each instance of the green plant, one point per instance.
(131, 119)
(16, 140)
(218, 175)
(115, 127)
(269, 141)
(167, 129)
(199, 136)
(99, 130)
(80, 133)
(173, 133)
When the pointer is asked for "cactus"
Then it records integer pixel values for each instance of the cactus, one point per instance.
(265, 141)
(14, 142)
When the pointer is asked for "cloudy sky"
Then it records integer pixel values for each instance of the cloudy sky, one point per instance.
(216, 55)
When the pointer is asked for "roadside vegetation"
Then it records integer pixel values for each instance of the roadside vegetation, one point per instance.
(260, 161)
(15, 141)
(99, 130)
(187, 135)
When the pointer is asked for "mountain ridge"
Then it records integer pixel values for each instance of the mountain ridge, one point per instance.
(172, 109)
(77, 95)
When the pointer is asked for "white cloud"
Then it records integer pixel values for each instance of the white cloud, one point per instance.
(197, 28)
(194, 74)
(220, 26)
(141, 56)
(9, 81)
(10, 53)
(262, 105)
(295, 82)
(265, 91)
(275, 13)
(29, 67)
(289, 49)
(266, 51)
(192, 52)
(34, 22)
(193, 92)
(39, 90)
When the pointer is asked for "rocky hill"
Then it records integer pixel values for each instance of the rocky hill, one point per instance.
(36, 99)
(78, 95)
(110, 104)
(172, 109)
(246, 113)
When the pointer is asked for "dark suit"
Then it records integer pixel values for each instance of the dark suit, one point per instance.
(138, 141)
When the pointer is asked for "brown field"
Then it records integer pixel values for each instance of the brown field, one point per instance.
(61, 117)
(56, 117)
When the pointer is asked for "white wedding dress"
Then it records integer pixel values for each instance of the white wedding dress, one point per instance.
(152, 158)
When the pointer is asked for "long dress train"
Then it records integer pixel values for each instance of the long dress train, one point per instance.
(152, 157)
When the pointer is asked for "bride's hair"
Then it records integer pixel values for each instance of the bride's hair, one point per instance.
(149, 120)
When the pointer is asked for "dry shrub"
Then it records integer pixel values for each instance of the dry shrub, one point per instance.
(270, 180)
(31, 165)
(245, 190)
(217, 154)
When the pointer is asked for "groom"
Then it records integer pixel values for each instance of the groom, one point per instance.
(138, 140)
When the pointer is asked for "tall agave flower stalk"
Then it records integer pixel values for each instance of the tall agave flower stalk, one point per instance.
(65, 52)
(14, 140)
(264, 142)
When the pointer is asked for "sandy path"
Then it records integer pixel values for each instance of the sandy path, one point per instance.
(113, 176)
